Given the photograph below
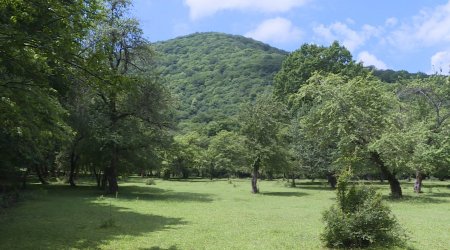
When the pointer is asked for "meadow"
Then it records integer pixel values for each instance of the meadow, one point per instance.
(203, 214)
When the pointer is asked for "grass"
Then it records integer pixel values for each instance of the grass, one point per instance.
(202, 214)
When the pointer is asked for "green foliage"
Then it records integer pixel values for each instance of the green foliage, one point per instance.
(360, 219)
(352, 114)
(150, 182)
(262, 124)
(212, 74)
(312, 59)
(39, 55)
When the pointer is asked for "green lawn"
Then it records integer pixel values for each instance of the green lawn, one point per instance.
(200, 214)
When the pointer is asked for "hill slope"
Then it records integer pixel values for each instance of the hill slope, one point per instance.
(212, 74)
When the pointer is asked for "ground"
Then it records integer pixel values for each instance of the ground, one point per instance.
(203, 214)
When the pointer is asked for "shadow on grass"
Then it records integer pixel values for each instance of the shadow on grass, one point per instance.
(153, 193)
(417, 199)
(314, 186)
(58, 217)
(284, 194)
(159, 248)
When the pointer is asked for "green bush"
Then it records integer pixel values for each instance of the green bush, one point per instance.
(150, 182)
(360, 219)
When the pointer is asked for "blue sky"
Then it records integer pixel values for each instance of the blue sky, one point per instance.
(390, 34)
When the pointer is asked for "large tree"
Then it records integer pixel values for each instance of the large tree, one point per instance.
(309, 59)
(39, 45)
(425, 127)
(350, 117)
(130, 101)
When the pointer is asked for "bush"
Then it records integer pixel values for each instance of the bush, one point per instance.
(150, 182)
(360, 219)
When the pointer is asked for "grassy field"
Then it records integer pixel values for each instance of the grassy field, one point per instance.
(202, 214)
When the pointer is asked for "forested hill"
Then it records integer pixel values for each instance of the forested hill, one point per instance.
(212, 74)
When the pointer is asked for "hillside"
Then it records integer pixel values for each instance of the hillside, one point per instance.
(212, 74)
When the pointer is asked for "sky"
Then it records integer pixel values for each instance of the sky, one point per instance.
(412, 35)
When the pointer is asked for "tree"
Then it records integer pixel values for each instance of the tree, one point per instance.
(261, 123)
(39, 45)
(131, 103)
(426, 110)
(303, 63)
(350, 117)
(227, 152)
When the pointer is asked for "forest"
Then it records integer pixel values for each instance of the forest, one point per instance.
(88, 102)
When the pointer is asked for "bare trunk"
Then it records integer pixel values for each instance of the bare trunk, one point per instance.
(39, 175)
(111, 172)
(255, 172)
(331, 177)
(396, 189)
(418, 183)
(293, 180)
(73, 164)
(24, 178)
(97, 178)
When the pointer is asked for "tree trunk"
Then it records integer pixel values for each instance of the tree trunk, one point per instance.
(111, 172)
(418, 183)
(255, 173)
(293, 180)
(39, 175)
(396, 189)
(211, 171)
(73, 164)
(24, 178)
(97, 178)
(332, 180)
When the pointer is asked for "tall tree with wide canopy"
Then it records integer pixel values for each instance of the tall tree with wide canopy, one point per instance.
(350, 117)
(309, 59)
(39, 45)
(131, 101)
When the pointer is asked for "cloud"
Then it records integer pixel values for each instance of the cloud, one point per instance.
(392, 21)
(370, 60)
(203, 8)
(350, 38)
(440, 62)
(276, 30)
(430, 27)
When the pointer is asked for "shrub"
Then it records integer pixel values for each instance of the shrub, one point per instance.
(360, 219)
(150, 182)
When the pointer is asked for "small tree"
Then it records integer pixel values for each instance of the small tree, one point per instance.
(261, 124)
(360, 219)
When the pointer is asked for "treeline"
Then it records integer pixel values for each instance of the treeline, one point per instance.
(328, 113)
(83, 92)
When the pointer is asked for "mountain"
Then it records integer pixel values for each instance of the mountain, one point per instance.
(212, 74)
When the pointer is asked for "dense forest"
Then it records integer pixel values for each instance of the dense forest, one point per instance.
(89, 95)
(212, 74)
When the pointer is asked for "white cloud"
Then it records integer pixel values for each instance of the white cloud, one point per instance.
(392, 21)
(277, 30)
(203, 8)
(431, 27)
(440, 62)
(350, 38)
(371, 60)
